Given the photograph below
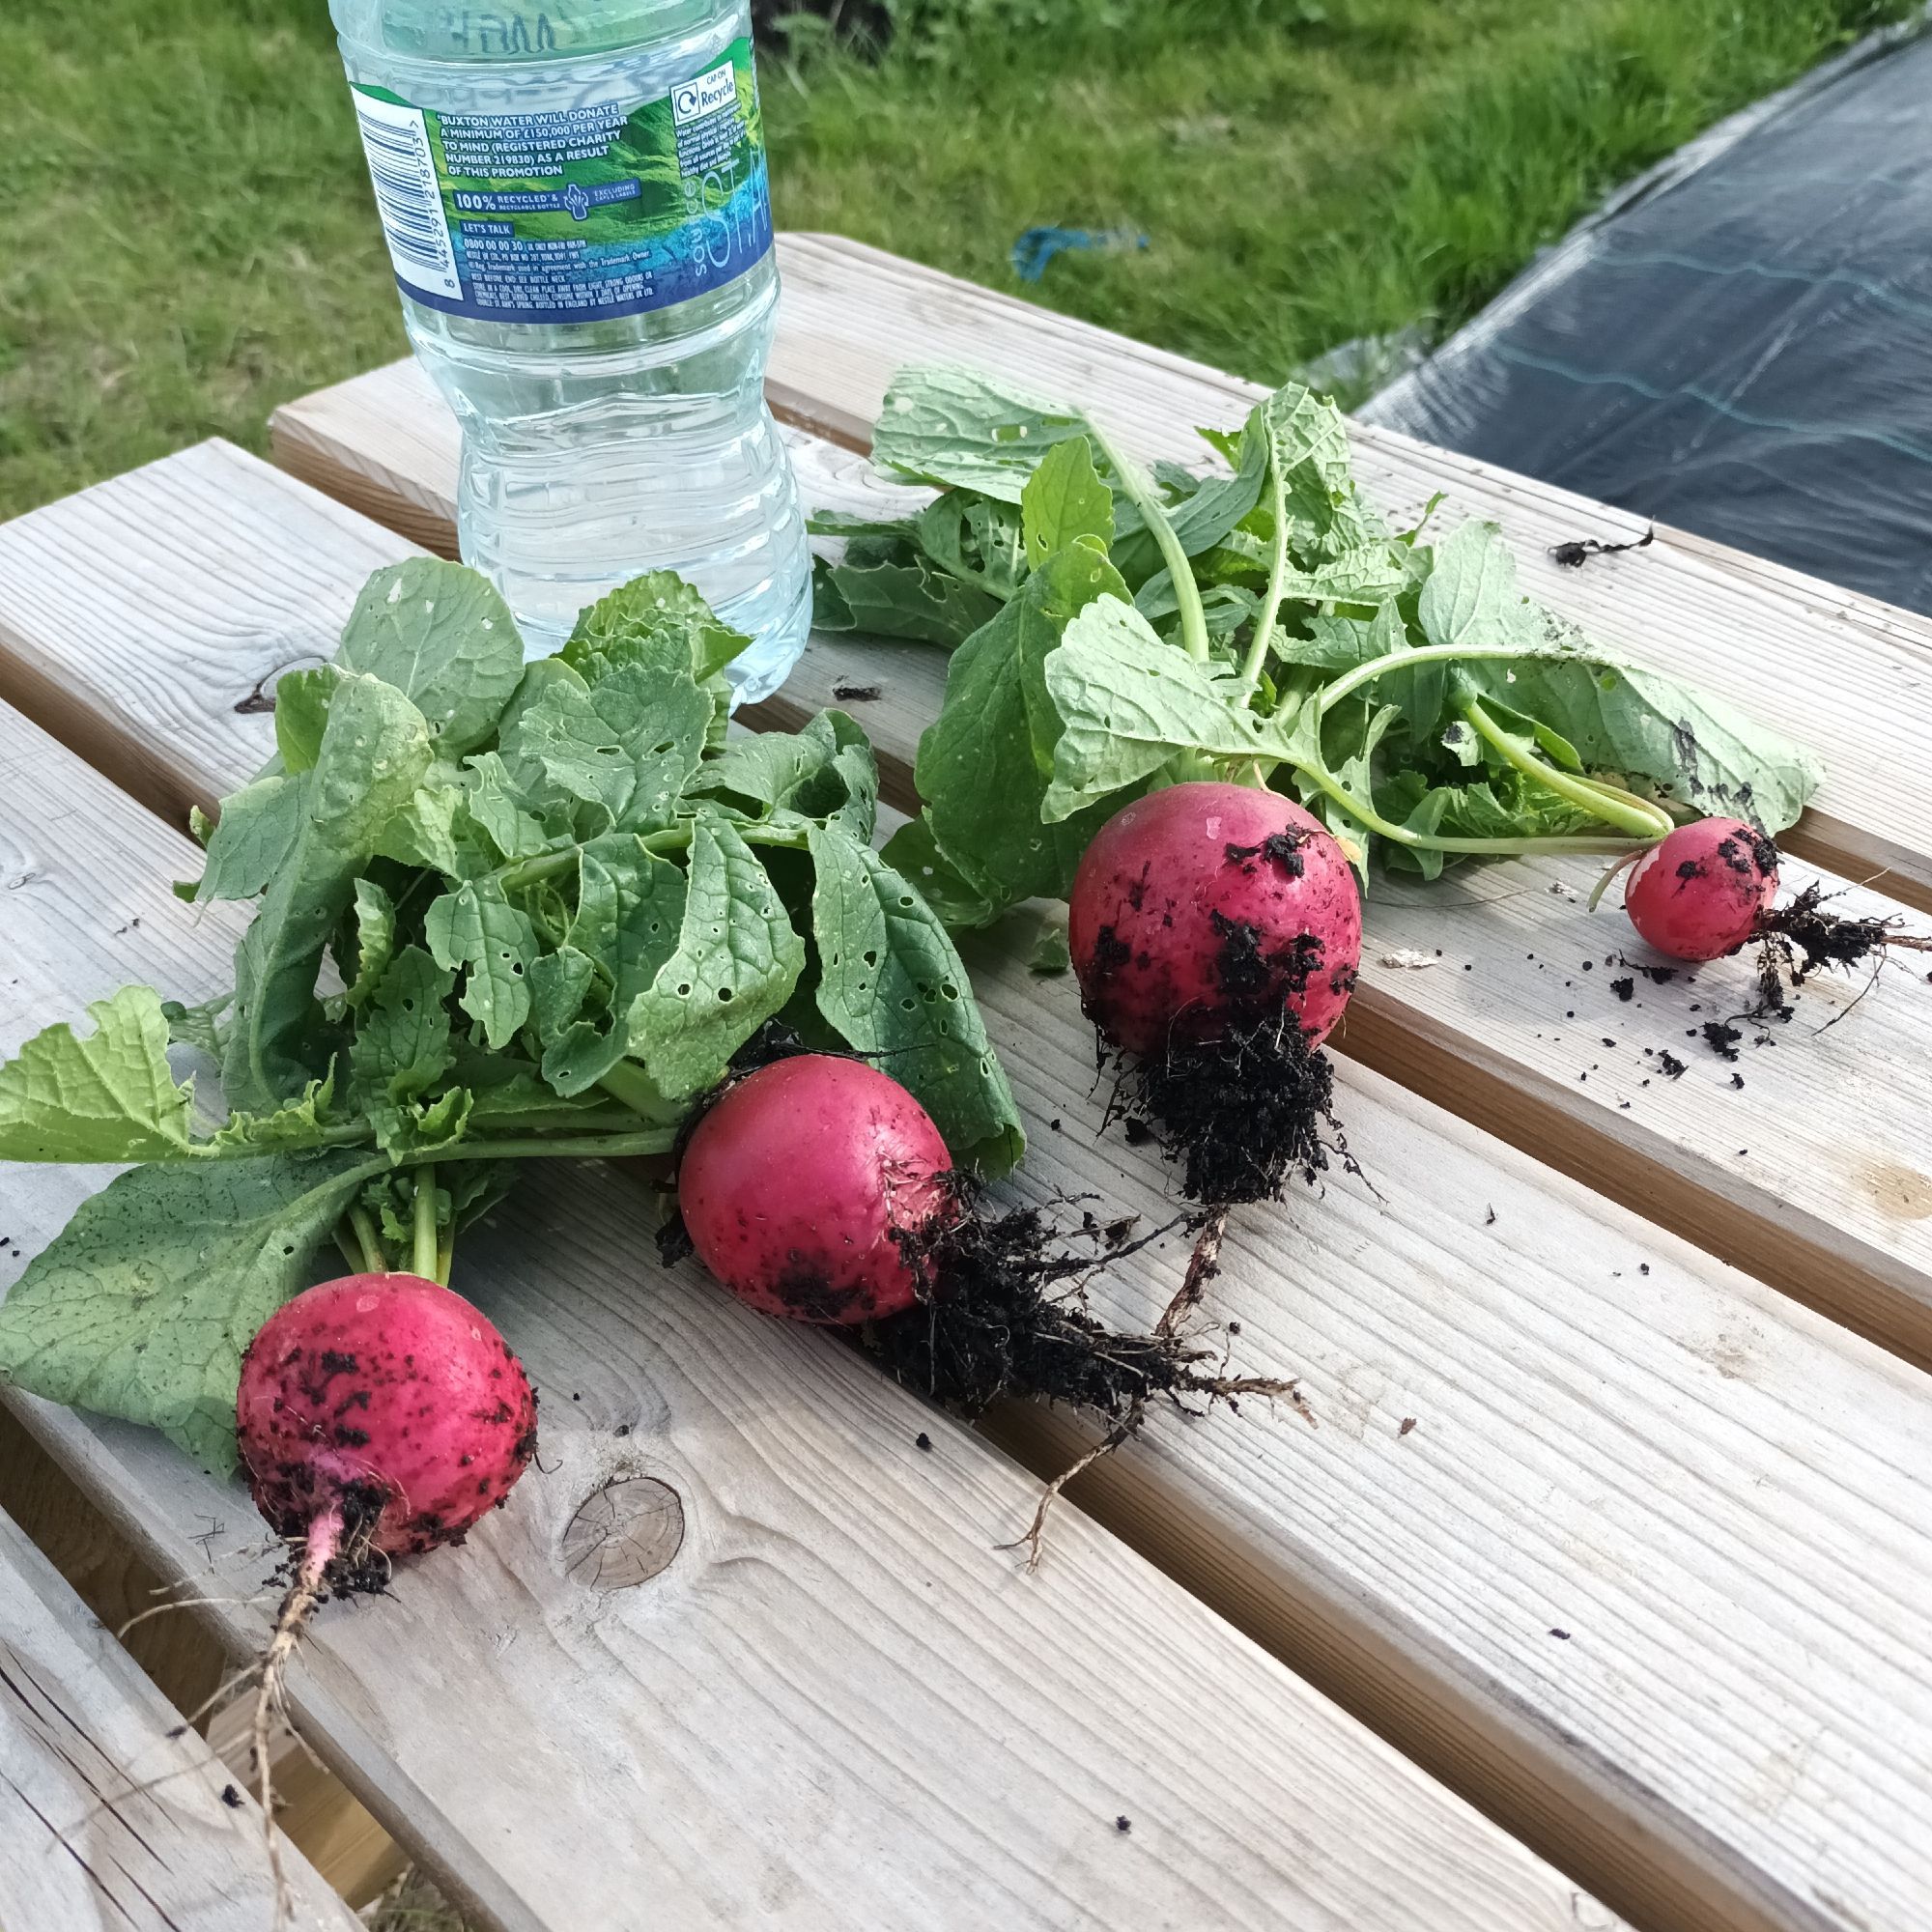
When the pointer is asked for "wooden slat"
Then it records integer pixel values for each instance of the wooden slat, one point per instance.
(120, 1589)
(106, 1820)
(1813, 1175)
(840, 1704)
(182, 664)
(1719, 1496)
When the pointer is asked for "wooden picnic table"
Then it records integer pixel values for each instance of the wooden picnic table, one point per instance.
(1600, 1591)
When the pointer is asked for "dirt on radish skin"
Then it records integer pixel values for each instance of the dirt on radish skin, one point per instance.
(1216, 932)
(387, 1399)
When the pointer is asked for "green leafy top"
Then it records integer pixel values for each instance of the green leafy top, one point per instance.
(499, 912)
(1260, 623)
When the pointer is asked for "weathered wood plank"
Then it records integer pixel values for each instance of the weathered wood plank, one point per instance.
(1584, 1420)
(184, 647)
(1823, 1204)
(1614, 1437)
(106, 1820)
(838, 1704)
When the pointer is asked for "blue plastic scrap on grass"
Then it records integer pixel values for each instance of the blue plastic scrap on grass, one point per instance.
(1037, 247)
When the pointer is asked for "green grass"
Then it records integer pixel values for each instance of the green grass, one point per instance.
(189, 239)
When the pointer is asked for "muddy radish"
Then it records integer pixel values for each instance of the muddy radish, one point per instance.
(379, 1415)
(1216, 932)
(1700, 893)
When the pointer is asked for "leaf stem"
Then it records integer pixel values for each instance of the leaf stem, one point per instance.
(373, 1259)
(1430, 841)
(1270, 612)
(1140, 491)
(630, 1084)
(423, 1255)
(351, 1253)
(1622, 810)
(567, 1146)
(671, 839)
(1350, 682)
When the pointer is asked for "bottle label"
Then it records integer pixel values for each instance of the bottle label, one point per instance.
(578, 215)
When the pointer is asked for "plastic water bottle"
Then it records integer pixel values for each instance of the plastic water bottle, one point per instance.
(576, 206)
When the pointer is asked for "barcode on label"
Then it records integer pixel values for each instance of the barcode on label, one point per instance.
(407, 197)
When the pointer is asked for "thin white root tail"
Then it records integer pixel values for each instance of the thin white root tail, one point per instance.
(310, 1585)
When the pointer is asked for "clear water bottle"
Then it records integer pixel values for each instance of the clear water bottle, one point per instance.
(578, 209)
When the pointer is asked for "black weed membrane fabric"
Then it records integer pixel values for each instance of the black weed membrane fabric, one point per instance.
(1740, 344)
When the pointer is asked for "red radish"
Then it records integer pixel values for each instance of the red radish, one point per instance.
(799, 1185)
(1703, 890)
(817, 1189)
(384, 1407)
(378, 1415)
(1216, 932)
(1205, 907)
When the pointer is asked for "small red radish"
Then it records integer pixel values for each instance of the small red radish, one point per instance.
(382, 1393)
(1205, 907)
(1703, 890)
(800, 1184)
(378, 1415)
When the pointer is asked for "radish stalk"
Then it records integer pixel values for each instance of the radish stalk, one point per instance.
(1141, 493)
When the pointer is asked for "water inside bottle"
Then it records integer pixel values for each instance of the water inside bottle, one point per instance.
(600, 447)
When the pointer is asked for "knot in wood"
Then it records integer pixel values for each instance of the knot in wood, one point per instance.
(624, 1534)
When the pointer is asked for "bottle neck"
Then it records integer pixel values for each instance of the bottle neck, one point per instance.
(522, 30)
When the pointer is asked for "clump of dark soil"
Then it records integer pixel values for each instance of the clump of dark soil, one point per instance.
(1243, 1109)
(1801, 938)
(1007, 1315)
(1240, 1114)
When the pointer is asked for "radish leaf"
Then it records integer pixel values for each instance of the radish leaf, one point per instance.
(142, 1307)
(1064, 498)
(443, 638)
(373, 754)
(737, 960)
(477, 929)
(105, 1095)
(950, 426)
(892, 985)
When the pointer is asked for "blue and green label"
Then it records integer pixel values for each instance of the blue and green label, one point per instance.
(578, 215)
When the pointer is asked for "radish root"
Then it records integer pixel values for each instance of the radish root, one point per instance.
(311, 1584)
